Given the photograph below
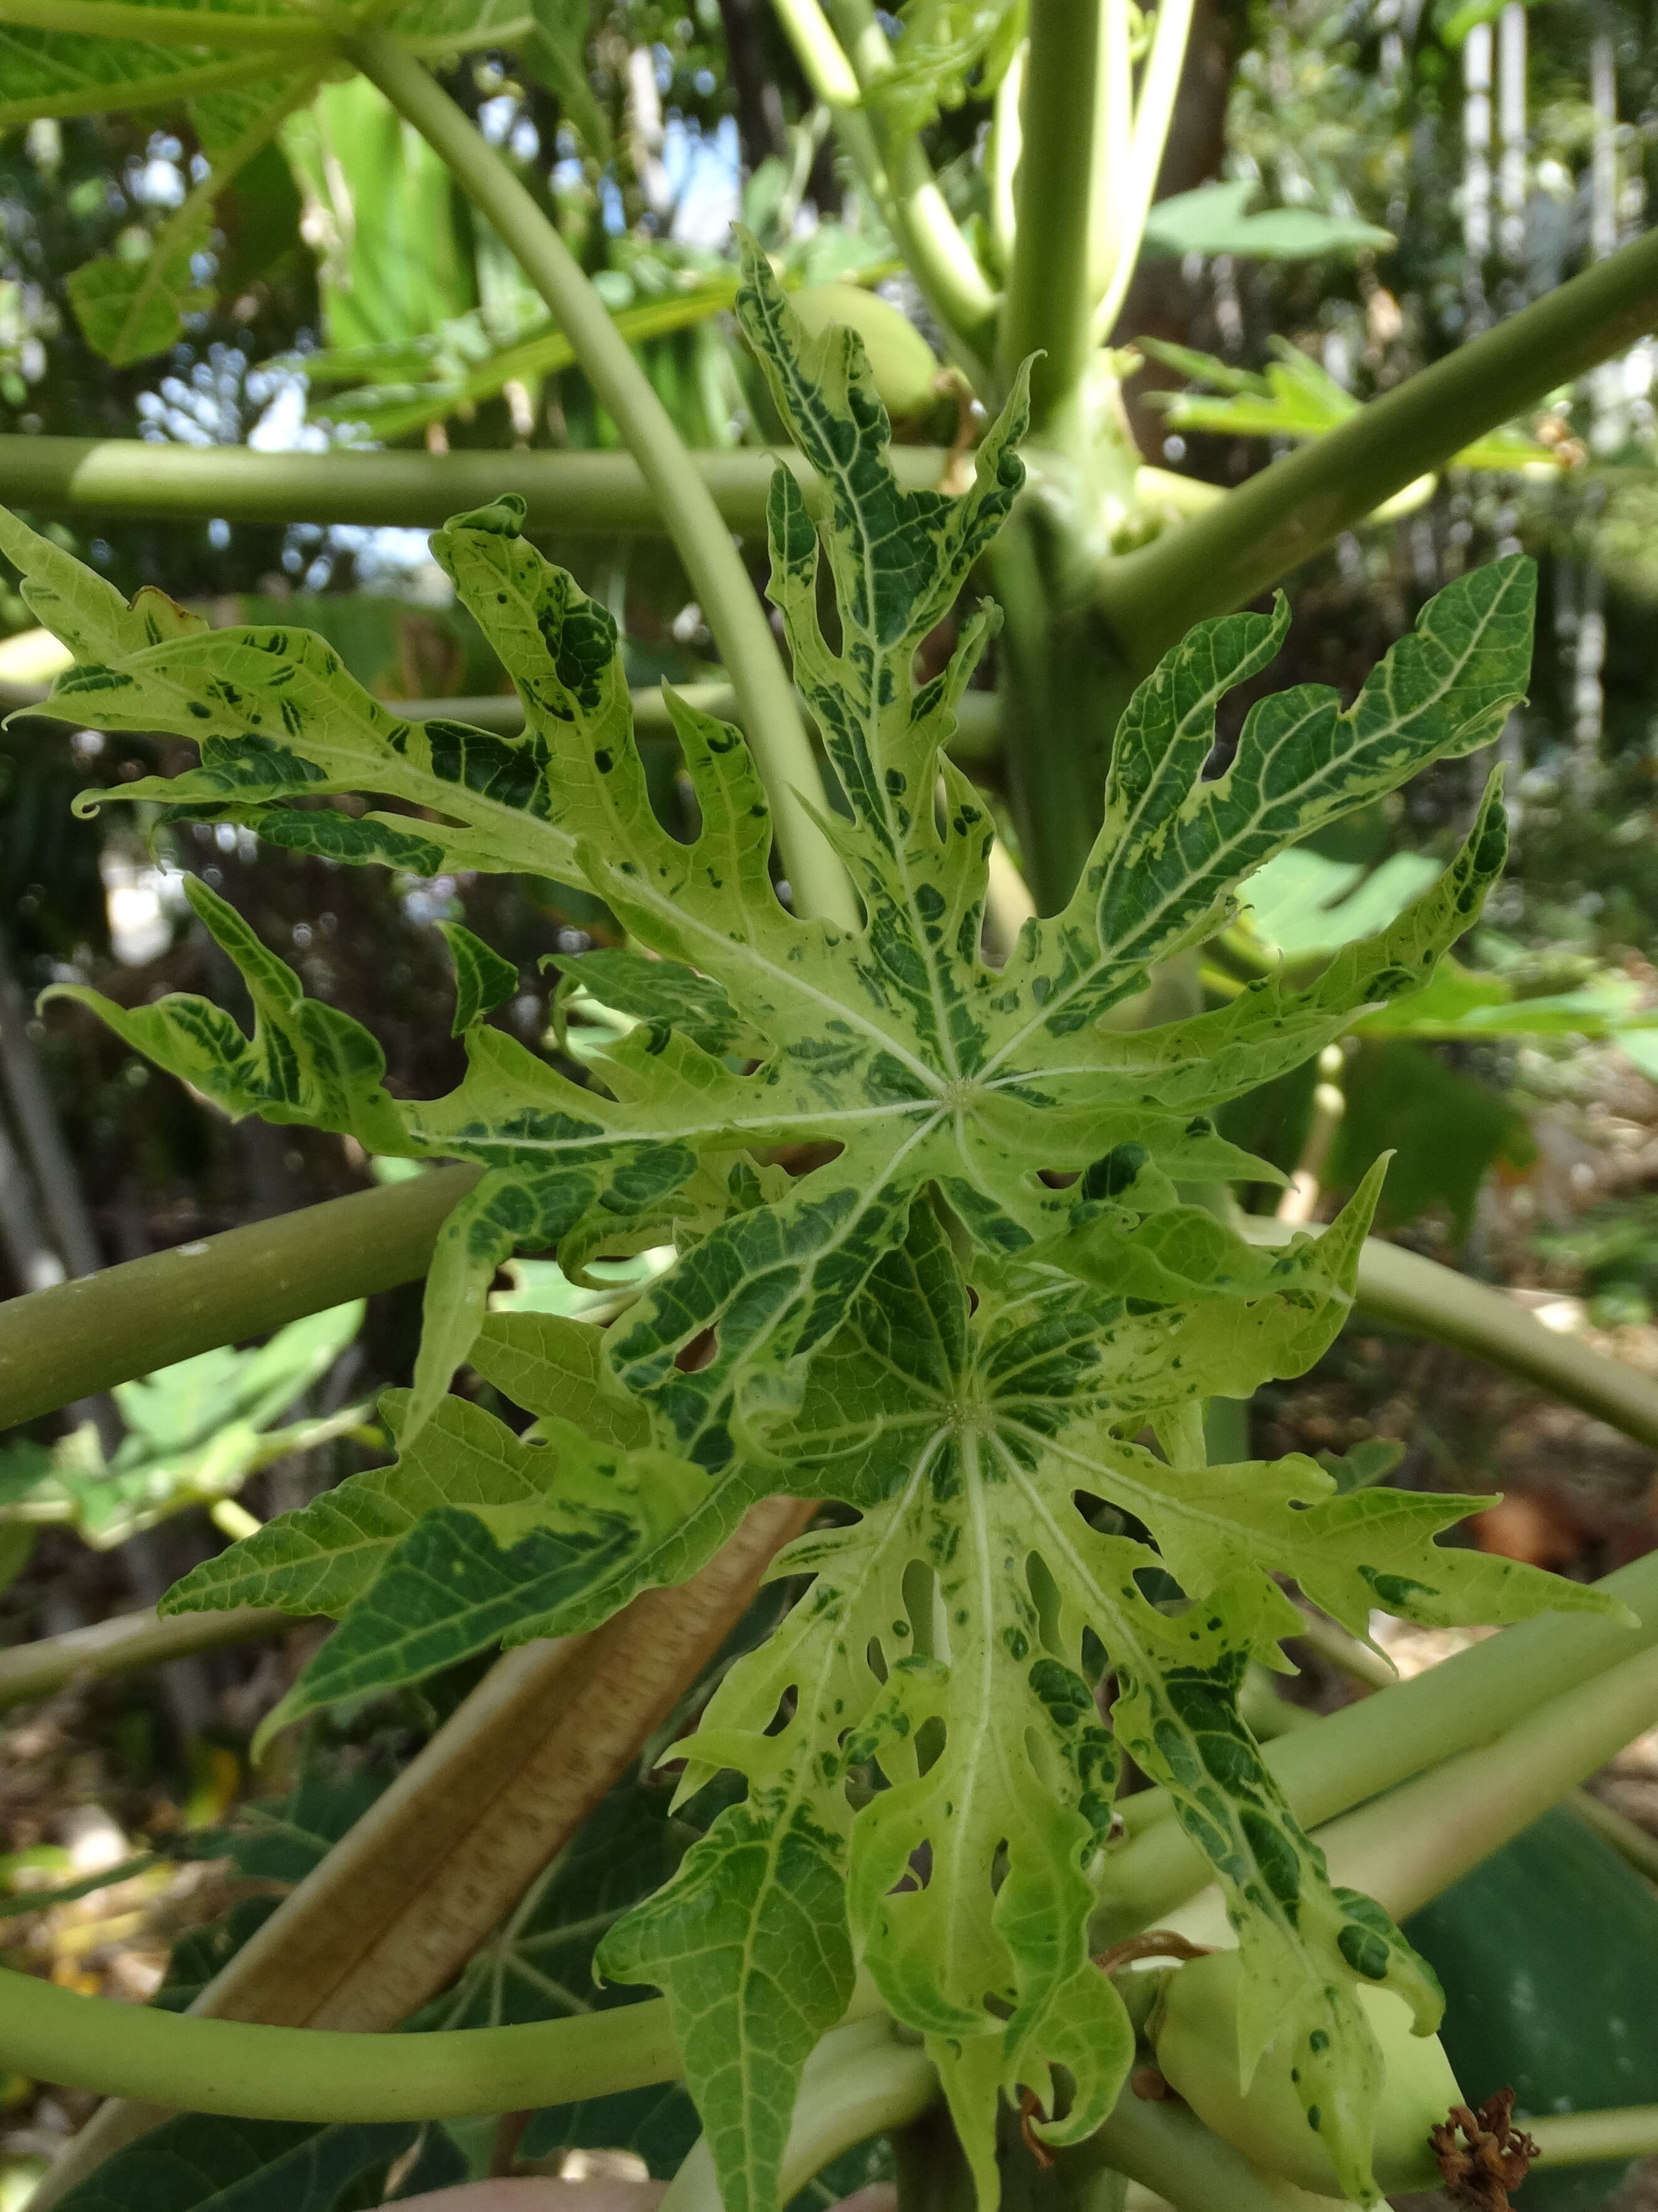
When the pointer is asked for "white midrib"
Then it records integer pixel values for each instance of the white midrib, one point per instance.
(870, 718)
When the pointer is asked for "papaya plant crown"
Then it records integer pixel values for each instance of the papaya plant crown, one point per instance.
(956, 1322)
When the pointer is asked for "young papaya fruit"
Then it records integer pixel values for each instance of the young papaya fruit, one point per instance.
(903, 364)
(1196, 2048)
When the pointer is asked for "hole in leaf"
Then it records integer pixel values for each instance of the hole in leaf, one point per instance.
(691, 1358)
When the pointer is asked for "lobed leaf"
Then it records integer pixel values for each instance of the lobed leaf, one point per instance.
(975, 1282)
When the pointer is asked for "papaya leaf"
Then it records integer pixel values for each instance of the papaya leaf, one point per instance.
(470, 1537)
(131, 308)
(929, 1777)
(1216, 218)
(71, 73)
(898, 1045)
(664, 993)
(193, 2163)
(482, 979)
(932, 1264)
(1297, 397)
(195, 1432)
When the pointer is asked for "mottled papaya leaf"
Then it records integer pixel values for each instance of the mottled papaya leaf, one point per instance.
(472, 1537)
(555, 1367)
(484, 980)
(897, 1052)
(663, 993)
(305, 1061)
(953, 1312)
(929, 1776)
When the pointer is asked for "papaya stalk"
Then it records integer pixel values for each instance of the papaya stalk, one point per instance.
(1591, 2138)
(782, 751)
(125, 1644)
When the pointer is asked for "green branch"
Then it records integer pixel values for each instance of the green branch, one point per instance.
(601, 494)
(1164, 2146)
(777, 734)
(1278, 519)
(1586, 2138)
(1407, 1847)
(1365, 1666)
(84, 1336)
(284, 38)
(931, 241)
(124, 1646)
(1154, 115)
(255, 2073)
(1050, 302)
(978, 714)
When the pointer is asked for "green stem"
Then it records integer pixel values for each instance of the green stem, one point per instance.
(601, 494)
(1277, 519)
(255, 2073)
(824, 65)
(1632, 1843)
(76, 1338)
(1586, 2138)
(1409, 1846)
(778, 736)
(1407, 1291)
(927, 234)
(123, 1646)
(1063, 687)
(977, 713)
(284, 38)
(1458, 1706)
(1362, 1665)
(1154, 114)
(1002, 161)
(826, 69)
(1163, 2146)
(1050, 307)
(861, 2079)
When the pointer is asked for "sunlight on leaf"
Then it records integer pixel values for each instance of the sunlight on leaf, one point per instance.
(938, 1261)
